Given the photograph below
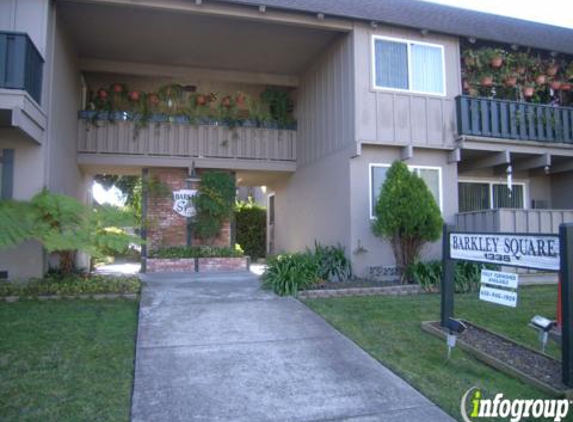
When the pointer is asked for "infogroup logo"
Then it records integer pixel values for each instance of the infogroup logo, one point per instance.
(474, 406)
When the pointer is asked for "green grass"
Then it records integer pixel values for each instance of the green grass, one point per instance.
(389, 329)
(67, 361)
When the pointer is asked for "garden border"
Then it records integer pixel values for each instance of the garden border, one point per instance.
(95, 296)
(428, 327)
(397, 290)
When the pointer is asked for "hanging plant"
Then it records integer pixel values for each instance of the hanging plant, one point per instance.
(552, 68)
(541, 79)
(134, 96)
(555, 85)
(565, 86)
(493, 56)
(486, 81)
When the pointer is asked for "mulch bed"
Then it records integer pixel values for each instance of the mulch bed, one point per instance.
(532, 363)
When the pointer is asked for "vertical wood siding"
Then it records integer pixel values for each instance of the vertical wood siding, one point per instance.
(400, 118)
(325, 103)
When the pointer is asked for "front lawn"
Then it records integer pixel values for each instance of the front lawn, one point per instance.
(67, 360)
(389, 329)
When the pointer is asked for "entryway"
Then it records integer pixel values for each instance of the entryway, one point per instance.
(215, 347)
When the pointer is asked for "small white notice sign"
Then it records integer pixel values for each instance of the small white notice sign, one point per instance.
(501, 279)
(499, 296)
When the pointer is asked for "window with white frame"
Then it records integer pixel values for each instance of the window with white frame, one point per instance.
(431, 175)
(408, 66)
(476, 196)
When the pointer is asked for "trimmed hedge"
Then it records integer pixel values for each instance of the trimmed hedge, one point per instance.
(71, 285)
(181, 252)
(251, 229)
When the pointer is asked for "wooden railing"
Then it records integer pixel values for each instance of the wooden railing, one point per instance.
(484, 117)
(185, 140)
(513, 220)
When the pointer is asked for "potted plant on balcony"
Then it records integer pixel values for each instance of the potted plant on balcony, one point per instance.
(493, 56)
(555, 84)
(509, 77)
(528, 89)
(522, 62)
(552, 67)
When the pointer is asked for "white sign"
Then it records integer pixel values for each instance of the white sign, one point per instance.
(529, 251)
(183, 202)
(497, 278)
(499, 296)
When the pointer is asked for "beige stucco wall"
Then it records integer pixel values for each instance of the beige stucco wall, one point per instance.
(562, 191)
(63, 174)
(29, 16)
(379, 252)
(312, 204)
(402, 118)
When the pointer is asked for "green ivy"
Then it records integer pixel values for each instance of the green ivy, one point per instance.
(214, 203)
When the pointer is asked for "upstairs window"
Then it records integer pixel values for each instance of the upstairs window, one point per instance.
(408, 66)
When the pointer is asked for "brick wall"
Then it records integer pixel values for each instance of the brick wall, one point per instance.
(202, 265)
(165, 226)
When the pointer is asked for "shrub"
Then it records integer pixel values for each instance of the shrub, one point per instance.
(287, 274)
(333, 265)
(406, 214)
(181, 252)
(214, 204)
(251, 226)
(71, 285)
(429, 275)
(62, 225)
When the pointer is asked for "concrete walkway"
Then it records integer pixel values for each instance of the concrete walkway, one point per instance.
(217, 348)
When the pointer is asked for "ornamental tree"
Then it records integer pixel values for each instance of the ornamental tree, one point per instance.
(63, 225)
(406, 215)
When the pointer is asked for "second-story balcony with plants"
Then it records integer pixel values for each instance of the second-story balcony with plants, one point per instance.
(515, 93)
(252, 128)
(207, 83)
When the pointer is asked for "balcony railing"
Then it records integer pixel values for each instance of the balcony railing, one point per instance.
(20, 64)
(484, 117)
(165, 139)
(510, 220)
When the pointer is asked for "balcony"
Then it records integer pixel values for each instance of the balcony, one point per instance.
(21, 64)
(117, 141)
(503, 119)
(513, 220)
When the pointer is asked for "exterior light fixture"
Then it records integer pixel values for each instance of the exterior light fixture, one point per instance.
(262, 8)
(546, 169)
(424, 31)
(374, 24)
(554, 54)
(514, 47)
(320, 16)
(472, 40)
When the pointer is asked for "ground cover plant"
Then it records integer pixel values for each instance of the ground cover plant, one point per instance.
(67, 361)
(71, 285)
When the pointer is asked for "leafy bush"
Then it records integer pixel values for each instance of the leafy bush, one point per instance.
(71, 285)
(179, 252)
(214, 204)
(406, 214)
(251, 226)
(62, 225)
(333, 265)
(287, 274)
(429, 275)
